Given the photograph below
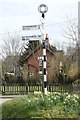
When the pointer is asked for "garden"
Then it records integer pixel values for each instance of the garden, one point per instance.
(40, 106)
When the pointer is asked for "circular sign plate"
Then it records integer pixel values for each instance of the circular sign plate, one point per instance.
(42, 8)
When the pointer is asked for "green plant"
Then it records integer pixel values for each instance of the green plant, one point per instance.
(77, 82)
(51, 105)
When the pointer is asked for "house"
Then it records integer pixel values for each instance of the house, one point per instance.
(33, 65)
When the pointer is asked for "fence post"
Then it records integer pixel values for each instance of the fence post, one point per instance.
(26, 88)
(49, 88)
(3, 91)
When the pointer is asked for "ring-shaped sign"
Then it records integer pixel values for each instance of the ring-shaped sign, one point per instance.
(42, 8)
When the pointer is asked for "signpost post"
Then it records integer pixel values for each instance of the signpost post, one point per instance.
(43, 9)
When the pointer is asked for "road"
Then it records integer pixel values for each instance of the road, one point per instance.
(5, 98)
(9, 97)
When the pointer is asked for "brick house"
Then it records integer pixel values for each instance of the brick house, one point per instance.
(33, 65)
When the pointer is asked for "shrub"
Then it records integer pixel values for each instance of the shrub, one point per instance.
(52, 105)
(77, 82)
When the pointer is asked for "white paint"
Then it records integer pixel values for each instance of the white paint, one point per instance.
(45, 90)
(40, 72)
(44, 64)
(44, 52)
(45, 78)
(42, 20)
(39, 58)
(10, 73)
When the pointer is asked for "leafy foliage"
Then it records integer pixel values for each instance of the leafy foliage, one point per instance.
(52, 48)
(52, 105)
(77, 82)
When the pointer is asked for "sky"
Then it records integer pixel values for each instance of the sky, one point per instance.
(16, 13)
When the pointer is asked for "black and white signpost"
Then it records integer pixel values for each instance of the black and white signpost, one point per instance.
(43, 9)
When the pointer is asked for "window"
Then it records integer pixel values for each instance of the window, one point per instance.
(31, 75)
(40, 62)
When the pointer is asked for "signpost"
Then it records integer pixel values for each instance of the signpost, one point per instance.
(31, 27)
(32, 37)
(43, 9)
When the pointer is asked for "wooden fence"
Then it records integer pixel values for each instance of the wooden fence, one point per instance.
(16, 89)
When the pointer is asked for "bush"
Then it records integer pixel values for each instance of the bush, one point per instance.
(52, 105)
(9, 78)
(19, 79)
(77, 82)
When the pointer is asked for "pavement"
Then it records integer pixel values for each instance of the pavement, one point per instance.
(4, 98)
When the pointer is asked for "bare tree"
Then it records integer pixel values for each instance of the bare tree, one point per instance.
(71, 33)
(11, 45)
(11, 49)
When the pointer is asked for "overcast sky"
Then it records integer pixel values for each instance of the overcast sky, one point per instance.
(16, 13)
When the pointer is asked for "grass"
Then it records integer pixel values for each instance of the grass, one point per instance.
(37, 105)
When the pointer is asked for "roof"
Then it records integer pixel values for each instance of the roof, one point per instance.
(40, 46)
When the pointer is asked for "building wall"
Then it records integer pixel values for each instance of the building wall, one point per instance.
(32, 65)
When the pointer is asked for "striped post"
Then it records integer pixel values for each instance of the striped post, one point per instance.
(44, 70)
(42, 27)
